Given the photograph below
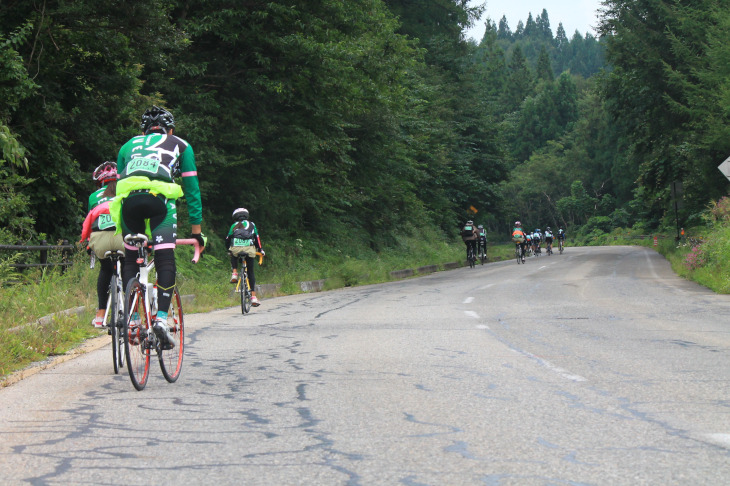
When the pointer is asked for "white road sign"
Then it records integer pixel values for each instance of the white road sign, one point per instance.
(725, 168)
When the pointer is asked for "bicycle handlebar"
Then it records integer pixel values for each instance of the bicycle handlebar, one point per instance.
(196, 245)
(141, 239)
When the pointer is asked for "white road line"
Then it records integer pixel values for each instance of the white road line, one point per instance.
(468, 300)
(720, 439)
(486, 286)
(544, 266)
(547, 364)
(482, 326)
(472, 314)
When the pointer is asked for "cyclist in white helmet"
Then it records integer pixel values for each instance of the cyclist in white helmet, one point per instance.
(243, 239)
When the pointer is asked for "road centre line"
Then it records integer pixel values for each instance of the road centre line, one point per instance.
(721, 439)
(547, 364)
(468, 300)
(472, 314)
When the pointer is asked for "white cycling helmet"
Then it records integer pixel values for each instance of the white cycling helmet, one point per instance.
(240, 214)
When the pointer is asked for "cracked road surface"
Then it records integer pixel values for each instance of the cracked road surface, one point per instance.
(598, 366)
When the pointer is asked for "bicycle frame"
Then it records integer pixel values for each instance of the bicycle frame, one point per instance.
(147, 264)
(139, 346)
(243, 280)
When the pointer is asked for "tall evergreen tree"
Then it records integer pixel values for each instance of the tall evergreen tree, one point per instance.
(519, 80)
(543, 70)
(543, 26)
(504, 33)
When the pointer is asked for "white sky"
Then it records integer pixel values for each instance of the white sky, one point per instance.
(574, 14)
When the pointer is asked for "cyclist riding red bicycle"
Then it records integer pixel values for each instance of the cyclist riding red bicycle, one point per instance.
(149, 165)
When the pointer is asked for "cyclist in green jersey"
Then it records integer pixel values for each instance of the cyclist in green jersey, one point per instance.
(100, 230)
(150, 166)
(243, 239)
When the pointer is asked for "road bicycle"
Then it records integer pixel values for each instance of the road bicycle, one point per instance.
(560, 245)
(483, 252)
(140, 310)
(243, 286)
(519, 254)
(114, 313)
(549, 248)
(470, 256)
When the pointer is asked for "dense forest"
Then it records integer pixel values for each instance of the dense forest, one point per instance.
(370, 119)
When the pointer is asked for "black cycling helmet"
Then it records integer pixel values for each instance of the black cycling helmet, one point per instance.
(548, 228)
(240, 214)
(156, 119)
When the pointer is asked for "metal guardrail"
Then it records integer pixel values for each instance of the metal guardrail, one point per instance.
(43, 249)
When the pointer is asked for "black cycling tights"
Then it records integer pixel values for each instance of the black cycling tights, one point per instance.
(102, 283)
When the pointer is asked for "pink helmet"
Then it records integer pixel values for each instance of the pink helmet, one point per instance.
(106, 172)
(517, 223)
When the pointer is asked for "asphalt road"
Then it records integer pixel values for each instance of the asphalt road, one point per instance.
(594, 367)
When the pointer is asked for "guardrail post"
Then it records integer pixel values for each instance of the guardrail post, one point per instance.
(44, 253)
(65, 253)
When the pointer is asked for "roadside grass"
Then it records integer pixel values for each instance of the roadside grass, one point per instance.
(702, 255)
(26, 338)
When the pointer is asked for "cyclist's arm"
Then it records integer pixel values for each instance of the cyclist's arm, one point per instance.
(191, 188)
(256, 239)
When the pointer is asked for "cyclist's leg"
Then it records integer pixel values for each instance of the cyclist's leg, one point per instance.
(251, 275)
(106, 271)
(135, 209)
(163, 226)
(234, 267)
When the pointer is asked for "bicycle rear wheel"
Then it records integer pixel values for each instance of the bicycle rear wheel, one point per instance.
(135, 331)
(518, 254)
(171, 360)
(115, 321)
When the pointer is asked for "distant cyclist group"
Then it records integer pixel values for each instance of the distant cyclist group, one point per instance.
(529, 243)
(526, 242)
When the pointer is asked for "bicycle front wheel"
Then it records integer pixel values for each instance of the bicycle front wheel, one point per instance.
(136, 330)
(171, 359)
(245, 294)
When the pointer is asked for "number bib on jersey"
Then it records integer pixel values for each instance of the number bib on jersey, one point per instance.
(105, 221)
(143, 164)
